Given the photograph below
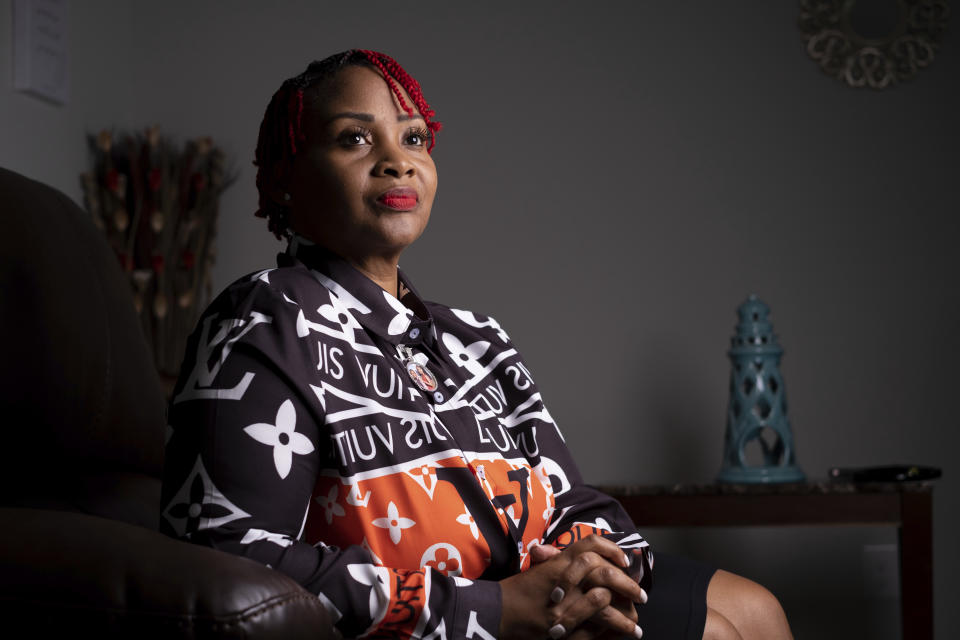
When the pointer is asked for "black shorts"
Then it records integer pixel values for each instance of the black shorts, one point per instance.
(677, 608)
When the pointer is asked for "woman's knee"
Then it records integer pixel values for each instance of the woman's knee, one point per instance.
(752, 609)
(718, 627)
(759, 603)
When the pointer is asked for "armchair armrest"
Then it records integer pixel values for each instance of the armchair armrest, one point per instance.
(71, 572)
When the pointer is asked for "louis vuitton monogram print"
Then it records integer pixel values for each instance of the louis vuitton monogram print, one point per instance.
(300, 439)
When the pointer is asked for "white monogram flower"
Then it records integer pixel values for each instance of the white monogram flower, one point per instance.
(471, 319)
(282, 437)
(401, 321)
(339, 313)
(466, 519)
(467, 356)
(329, 504)
(394, 523)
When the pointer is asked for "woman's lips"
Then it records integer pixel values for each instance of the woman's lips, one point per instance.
(400, 199)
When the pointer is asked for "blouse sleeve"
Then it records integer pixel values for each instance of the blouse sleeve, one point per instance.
(244, 448)
(579, 510)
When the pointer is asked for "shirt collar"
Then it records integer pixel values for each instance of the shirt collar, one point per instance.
(404, 321)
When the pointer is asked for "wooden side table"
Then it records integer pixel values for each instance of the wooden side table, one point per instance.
(907, 506)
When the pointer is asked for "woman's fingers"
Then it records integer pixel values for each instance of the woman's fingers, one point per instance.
(582, 634)
(617, 581)
(602, 547)
(593, 543)
(616, 620)
(579, 567)
(592, 631)
(597, 606)
(529, 609)
(580, 606)
(582, 590)
(602, 563)
(541, 553)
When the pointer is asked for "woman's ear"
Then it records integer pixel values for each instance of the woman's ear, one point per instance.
(280, 195)
(281, 198)
(279, 188)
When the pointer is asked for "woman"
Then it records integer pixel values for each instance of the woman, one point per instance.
(394, 455)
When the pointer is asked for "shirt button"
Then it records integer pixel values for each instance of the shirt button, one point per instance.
(414, 333)
(438, 396)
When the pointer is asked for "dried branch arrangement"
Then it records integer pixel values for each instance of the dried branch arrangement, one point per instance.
(157, 204)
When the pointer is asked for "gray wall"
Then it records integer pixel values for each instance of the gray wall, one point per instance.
(615, 179)
(46, 141)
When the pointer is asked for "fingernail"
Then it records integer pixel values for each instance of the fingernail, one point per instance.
(643, 598)
(637, 631)
(557, 594)
(626, 560)
(557, 631)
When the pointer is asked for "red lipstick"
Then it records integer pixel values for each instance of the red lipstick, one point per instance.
(400, 199)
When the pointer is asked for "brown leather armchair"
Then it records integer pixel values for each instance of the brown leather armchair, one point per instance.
(82, 445)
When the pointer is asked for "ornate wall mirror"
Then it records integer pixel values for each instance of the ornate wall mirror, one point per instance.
(872, 43)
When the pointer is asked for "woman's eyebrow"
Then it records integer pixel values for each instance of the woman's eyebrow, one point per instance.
(366, 117)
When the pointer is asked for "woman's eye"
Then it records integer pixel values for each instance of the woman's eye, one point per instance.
(353, 138)
(417, 138)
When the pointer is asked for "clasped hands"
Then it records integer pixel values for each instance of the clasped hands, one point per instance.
(580, 593)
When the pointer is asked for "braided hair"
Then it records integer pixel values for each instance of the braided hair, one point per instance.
(281, 130)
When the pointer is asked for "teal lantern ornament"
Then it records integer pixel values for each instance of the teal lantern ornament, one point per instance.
(757, 412)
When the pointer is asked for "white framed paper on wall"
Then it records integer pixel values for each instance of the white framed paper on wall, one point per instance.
(40, 48)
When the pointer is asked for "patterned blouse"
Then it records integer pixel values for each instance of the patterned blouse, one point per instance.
(392, 456)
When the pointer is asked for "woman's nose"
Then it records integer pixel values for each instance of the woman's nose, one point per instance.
(393, 163)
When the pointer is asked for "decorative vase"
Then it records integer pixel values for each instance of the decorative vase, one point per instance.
(156, 202)
(757, 411)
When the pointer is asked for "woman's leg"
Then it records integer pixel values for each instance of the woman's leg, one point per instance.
(719, 628)
(753, 612)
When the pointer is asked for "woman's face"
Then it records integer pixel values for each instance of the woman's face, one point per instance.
(362, 183)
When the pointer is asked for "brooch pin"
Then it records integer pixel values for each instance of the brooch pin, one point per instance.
(418, 371)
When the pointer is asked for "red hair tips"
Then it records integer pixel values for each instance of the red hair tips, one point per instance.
(391, 70)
